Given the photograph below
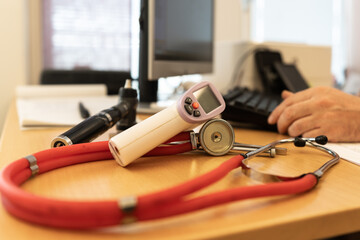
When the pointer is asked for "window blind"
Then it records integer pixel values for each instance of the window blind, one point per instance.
(87, 34)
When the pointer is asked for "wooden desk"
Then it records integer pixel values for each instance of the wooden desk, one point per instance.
(332, 208)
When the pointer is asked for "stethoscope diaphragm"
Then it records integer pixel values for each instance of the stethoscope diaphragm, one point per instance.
(216, 137)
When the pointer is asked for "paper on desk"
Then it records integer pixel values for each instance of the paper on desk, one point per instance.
(49, 91)
(58, 105)
(347, 151)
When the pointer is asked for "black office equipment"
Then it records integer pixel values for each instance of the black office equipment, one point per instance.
(264, 60)
(291, 77)
(252, 107)
(113, 80)
(97, 124)
(276, 75)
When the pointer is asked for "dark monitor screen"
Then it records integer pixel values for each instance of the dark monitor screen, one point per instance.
(183, 30)
(180, 39)
(176, 39)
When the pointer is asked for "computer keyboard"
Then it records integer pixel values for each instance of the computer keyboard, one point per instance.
(250, 107)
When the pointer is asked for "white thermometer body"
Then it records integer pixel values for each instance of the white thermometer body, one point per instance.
(197, 105)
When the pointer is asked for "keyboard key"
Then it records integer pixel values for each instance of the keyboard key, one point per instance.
(254, 101)
(263, 104)
(250, 108)
(232, 94)
(272, 105)
(243, 98)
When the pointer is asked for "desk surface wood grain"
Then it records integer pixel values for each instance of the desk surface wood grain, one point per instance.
(332, 208)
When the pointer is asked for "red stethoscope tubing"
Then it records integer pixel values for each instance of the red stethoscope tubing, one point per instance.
(168, 149)
(87, 214)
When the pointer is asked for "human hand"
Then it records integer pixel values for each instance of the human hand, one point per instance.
(319, 111)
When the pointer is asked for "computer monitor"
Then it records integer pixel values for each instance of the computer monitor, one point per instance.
(176, 38)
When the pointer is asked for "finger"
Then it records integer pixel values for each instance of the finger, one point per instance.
(285, 94)
(331, 136)
(293, 113)
(341, 127)
(273, 117)
(334, 129)
(302, 126)
(313, 133)
(290, 99)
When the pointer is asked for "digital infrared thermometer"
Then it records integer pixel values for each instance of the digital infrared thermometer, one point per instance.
(197, 105)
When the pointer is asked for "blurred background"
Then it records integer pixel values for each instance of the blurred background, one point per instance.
(99, 35)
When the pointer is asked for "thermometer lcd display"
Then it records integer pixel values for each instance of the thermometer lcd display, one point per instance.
(207, 99)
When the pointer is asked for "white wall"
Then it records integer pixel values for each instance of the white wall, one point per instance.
(295, 21)
(13, 65)
(230, 21)
(353, 35)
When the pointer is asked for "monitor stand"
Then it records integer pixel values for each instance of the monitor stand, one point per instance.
(148, 95)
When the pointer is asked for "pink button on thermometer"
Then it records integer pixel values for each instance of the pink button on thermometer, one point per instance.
(199, 104)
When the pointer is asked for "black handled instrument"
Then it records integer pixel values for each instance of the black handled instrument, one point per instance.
(92, 127)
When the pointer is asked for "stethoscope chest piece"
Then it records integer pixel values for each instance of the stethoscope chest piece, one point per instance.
(216, 137)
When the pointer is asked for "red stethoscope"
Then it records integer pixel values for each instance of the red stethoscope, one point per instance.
(165, 203)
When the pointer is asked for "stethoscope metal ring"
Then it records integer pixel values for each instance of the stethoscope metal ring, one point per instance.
(217, 137)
